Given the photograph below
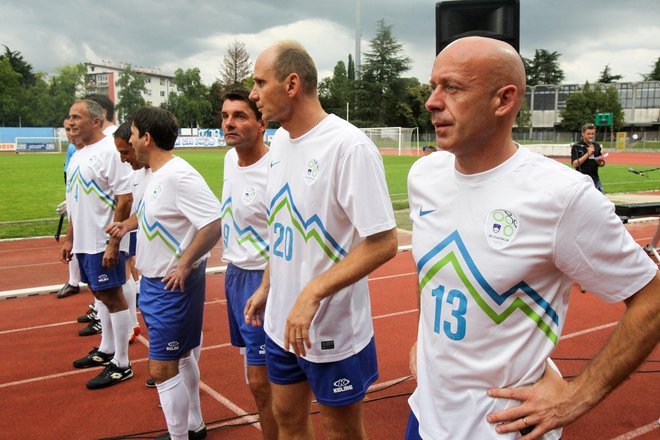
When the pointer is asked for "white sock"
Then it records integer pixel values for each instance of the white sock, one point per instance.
(74, 271)
(131, 295)
(197, 351)
(107, 345)
(174, 401)
(189, 371)
(96, 305)
(121, 324)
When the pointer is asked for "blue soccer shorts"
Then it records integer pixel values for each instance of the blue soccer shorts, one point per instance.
(337, 383)
(174, 318)
(240, 284)
(97, 277)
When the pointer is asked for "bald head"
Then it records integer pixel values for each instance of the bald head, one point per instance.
(488, 59)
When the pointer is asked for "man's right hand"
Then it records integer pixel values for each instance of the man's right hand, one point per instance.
(255, 307)
(116, 230)
(66, 251)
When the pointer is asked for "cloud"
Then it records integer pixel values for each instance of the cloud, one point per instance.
(196, 33)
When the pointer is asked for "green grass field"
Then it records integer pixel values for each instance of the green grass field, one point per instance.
(33, 185)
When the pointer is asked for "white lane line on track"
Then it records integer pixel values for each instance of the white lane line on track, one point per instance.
(589, 330)
(639, 431)
(213, 393)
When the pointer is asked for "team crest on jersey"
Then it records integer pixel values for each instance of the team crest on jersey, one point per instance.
(248, 196)
(155, 193)
(312, 171)
(501, 228)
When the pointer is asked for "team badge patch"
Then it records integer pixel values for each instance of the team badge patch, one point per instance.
(501, 228)
(155, 194)
(312, 171)
(248, 196)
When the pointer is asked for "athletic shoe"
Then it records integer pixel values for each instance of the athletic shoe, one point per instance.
(93, 328)
(198, 434)
(136, 331)
(94, 358)
(150, 383)
(110, 375)
(68, 290)
(87, 317)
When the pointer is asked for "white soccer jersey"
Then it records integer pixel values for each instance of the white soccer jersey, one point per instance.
(176, 204)
(68, 195)
(326, 192)
(496, 254)
(140, 179)
(244, 227)
(97, 177)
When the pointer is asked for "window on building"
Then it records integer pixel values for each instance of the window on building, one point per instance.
(564, 92)
(162, 81)
(528, 97)
(648, 95)
(625, 91)
(148, 92)
(162, 93)
(544, 98)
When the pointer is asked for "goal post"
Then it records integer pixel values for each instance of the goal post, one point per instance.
(395, 140)
(29, 144)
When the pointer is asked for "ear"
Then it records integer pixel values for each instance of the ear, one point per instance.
(293, 84)
(505, 100)
(262, 126)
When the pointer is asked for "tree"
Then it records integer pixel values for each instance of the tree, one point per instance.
(335, 91)
(544, 68)
(524, 118)
(236, 66)
(384, 64)
(581, 107)
(20, 66)
(655, 73)
(130, 98)
(606, 76)
(63, 89)
(191, 106)
(9, 93)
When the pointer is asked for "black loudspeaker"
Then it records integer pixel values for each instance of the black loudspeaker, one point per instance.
(499, 19)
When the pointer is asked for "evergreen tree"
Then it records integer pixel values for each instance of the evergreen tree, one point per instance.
(655, 73)
(384, 64)
(607, 77)
(544, 68)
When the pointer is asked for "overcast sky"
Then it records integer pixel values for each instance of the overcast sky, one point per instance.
(168, 34)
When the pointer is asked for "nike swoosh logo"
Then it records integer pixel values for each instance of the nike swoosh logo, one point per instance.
(422, 212)
(272, 164)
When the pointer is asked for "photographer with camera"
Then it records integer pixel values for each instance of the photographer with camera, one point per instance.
(587, 155)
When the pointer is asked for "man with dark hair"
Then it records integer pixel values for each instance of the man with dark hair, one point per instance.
(179, 223)
(99, 192)
(108, 106)
(499, 235)
(245, 234)
(587, 156)
(330, 225)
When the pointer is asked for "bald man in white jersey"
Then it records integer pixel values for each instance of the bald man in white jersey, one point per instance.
(498, 236)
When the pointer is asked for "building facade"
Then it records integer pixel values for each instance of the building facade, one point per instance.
(640, 102)
(101, 78)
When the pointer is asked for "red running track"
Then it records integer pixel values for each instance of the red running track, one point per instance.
(44, 397)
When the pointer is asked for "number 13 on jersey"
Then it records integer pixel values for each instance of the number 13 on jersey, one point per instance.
(453, 326)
